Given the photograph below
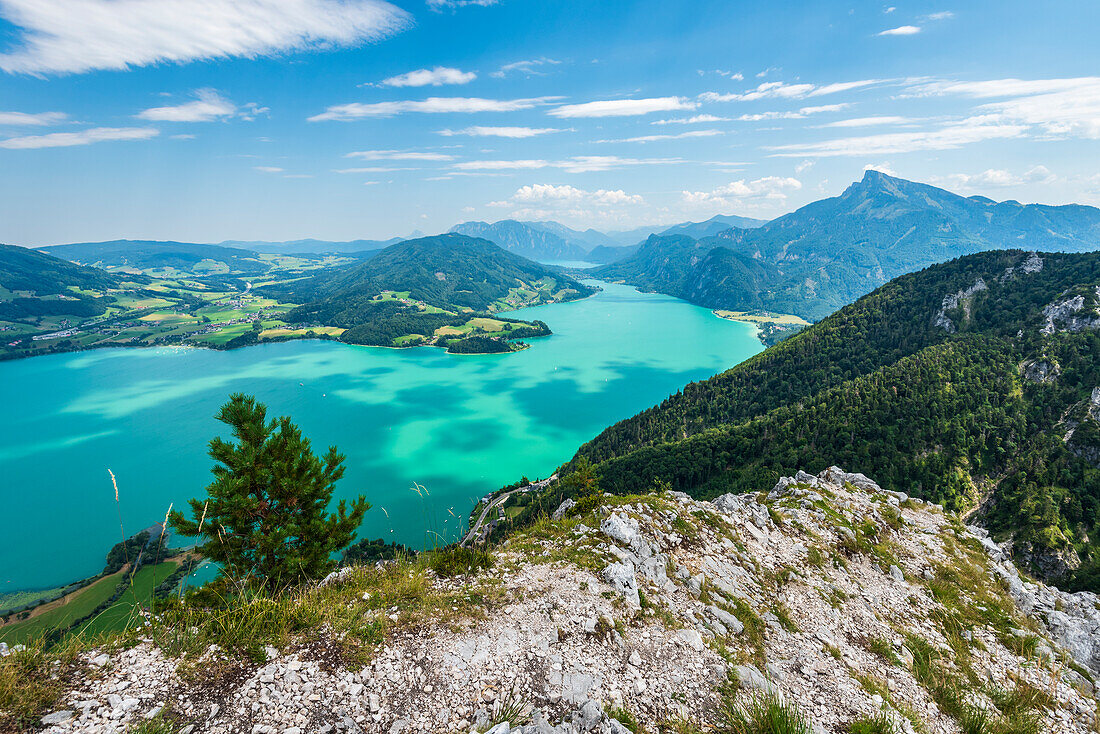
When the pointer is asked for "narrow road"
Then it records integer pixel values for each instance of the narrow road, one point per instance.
(475, 531)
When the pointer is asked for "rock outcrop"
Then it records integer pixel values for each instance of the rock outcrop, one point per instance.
(828, 593)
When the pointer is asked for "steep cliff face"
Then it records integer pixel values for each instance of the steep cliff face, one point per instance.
(828, 596)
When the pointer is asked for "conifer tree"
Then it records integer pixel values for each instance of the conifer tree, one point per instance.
(265, 519)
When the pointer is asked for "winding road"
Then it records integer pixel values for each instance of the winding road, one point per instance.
(475, 531)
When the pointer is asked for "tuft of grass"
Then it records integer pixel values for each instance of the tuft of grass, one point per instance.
(627, 719)
(511, 708)
(761, 715)
(884, 650)
(877, 724)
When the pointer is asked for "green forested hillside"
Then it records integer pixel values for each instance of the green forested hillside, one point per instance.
(969, 382)
(419, 291)
(33, 285)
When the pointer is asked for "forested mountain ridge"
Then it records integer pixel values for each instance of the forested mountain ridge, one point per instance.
(33, 283)
(968, 382)
(828, 253)
(527, 239)
(189, 257)
(428, 288)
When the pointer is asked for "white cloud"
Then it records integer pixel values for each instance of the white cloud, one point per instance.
(742, 192)
(1067, 107)
(207, 107)
(268, 169)
(399, 155)
(881, 168)
(431, 105)
(948, 137)
(942, 15)
(436, 77)
(82, 137)
(441, 5)
(677, 136)
(571, 204)
(694, 120)
(528, 67)
(901, 30)
(36, 119)
(501, 132)
(623, 107)
(869, 121)
(75, 36)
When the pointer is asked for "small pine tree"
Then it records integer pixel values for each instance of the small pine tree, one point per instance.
(265, 518)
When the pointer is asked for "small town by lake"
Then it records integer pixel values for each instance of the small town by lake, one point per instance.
(458, 426)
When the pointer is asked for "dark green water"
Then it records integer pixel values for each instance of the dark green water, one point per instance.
(460, 426)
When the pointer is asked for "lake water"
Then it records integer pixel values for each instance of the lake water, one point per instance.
(460, 426)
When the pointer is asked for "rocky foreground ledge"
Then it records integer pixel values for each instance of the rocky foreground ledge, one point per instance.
(829, 593)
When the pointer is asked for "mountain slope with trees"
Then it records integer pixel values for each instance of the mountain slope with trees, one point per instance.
(420, 286)
(975, 382)
(188, 257)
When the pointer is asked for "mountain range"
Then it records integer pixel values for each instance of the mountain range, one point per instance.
(972, 383)
(188, 257)
(828, 253)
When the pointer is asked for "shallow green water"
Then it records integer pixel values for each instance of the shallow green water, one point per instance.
(461, 426)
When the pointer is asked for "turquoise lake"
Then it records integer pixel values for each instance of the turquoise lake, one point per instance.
(460, 426)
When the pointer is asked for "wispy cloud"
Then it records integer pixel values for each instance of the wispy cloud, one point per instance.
(869, 121)
(32, 119)
(436, 77)
(441, 5)
(528, 67)
(399, 155)
(479, 131)
(901, 30)
(693, 120)
(623, 107)
(75, 36)
(82, 137)
(208, 106)
(953, 135)
(782, 90)
(431, 105)
(576, 164)
(792, 114)
(268, 169)
(677, 136)
(1064, 107)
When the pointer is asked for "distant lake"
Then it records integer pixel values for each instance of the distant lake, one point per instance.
(460, 426)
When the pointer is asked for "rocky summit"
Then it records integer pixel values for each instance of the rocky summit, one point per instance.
(827, 596)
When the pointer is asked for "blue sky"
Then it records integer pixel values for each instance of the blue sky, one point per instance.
(341, 119)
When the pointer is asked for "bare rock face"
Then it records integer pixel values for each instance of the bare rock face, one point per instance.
(962, 299)
(822, 592)
(1070, 314)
